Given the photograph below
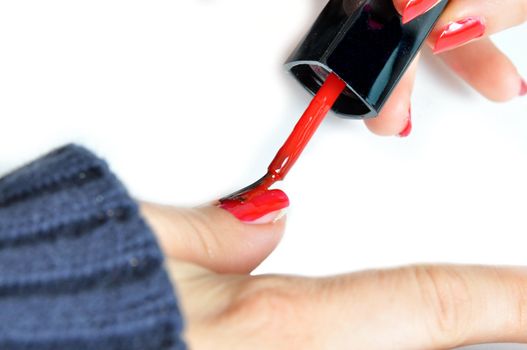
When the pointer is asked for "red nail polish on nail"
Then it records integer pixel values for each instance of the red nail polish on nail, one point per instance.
(257, 206)
(408, 128)
(460, 32)
(416, 8)
(523, 88)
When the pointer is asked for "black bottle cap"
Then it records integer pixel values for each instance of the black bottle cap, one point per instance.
(364, 43)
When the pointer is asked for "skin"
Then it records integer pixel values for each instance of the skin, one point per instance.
(210, 255)
(471, 61)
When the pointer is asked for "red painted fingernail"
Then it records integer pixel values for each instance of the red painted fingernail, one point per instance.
(258, 208)
(416, 8)
(460, 32)
(523, 88)
(408, 128)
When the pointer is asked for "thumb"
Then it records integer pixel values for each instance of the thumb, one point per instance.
(213, 237)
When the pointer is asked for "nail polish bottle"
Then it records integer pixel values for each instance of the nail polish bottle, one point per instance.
(365, 44)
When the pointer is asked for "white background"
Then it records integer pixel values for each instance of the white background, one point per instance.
(188, 101)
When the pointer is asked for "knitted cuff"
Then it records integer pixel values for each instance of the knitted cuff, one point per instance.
(79, 268)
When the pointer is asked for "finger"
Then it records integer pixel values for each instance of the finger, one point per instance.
(427, 307)
(395, 116)
(214, 238)
(466, 20)
(487, 69)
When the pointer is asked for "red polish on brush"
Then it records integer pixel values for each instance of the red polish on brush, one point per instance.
(257, 200)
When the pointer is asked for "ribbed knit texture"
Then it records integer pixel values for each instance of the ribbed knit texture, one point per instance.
(79, 268)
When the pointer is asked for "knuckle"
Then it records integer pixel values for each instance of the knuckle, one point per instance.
(265, 304)
(445, 294)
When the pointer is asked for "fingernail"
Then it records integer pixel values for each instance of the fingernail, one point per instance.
(460, 32)
(523, 88)
(408, 128)
(265, 208)
(416, 8)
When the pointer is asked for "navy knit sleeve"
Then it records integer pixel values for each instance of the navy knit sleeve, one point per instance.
(79, 268)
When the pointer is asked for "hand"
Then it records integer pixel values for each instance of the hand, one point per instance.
(461, 38)
(210, 254)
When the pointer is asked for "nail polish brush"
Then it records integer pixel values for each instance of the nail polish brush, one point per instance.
(351, 60)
